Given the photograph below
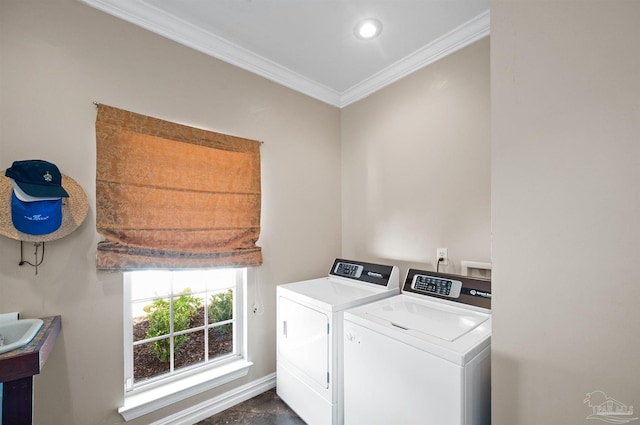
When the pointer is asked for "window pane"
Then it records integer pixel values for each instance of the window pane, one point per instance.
(146, 363)
(195, 280)
(190, 350)
(158, 317)
(140, 320)
(197, 318)
(221, 306)
(150, 283)
(185, 308)
(220, 340)
(221, 279)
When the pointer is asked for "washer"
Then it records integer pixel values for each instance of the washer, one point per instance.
(309, 335)
(421, 357)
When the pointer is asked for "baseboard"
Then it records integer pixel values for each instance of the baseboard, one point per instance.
(222, 402)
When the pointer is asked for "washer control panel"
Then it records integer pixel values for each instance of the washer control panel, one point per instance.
(436, 285)
(451, 287)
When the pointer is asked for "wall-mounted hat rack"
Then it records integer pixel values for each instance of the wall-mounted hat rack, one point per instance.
(74, 211)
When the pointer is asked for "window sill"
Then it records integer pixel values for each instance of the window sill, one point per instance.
(143, 401)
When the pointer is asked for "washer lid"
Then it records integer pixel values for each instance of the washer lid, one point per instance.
(440, 320)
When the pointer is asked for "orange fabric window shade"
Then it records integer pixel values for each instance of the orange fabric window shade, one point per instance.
(171, 196)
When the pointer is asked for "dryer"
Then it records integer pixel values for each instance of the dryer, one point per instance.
(421, 357)
(309, 335)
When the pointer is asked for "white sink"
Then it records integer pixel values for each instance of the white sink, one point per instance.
(17, 333)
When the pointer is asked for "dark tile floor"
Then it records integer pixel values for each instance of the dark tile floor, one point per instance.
(264, 409)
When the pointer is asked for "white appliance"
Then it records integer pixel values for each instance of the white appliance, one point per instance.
(309, 335)
(421, 357)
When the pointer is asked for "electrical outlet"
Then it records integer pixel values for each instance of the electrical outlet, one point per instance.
(442, 253)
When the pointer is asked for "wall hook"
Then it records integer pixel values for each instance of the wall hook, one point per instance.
(37, 263)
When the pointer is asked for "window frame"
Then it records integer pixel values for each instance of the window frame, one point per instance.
(174, 386)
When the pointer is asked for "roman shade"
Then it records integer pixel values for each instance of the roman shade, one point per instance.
(172, 196)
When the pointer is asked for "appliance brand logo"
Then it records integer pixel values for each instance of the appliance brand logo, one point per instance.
(373, 274)
(477, 293)
(607, 409)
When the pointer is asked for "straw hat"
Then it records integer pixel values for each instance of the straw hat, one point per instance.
(74, 211)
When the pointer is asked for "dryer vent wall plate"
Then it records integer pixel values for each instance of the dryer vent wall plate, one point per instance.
(475, 268)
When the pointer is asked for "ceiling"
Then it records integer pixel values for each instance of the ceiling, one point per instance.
(309, 45)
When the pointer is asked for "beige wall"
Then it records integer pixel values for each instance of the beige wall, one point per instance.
(416, 166)
(56, 58)
(565, 208)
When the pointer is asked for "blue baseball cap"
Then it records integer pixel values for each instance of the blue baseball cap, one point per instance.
(36, 218)
(37, 178)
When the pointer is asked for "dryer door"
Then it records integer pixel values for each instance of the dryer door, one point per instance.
(304, 340)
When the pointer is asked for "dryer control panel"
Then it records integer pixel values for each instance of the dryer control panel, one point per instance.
(378, 274)
(348, 270)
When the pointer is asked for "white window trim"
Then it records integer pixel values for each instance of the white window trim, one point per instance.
(163, 393)
(146, 401)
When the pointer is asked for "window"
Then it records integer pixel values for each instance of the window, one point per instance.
(183, 330)
(171, 197)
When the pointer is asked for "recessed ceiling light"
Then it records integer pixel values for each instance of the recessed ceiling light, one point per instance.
(368, 29)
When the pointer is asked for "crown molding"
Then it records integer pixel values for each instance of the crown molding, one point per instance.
(157, 21)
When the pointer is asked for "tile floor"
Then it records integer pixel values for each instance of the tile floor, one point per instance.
(264, 409)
